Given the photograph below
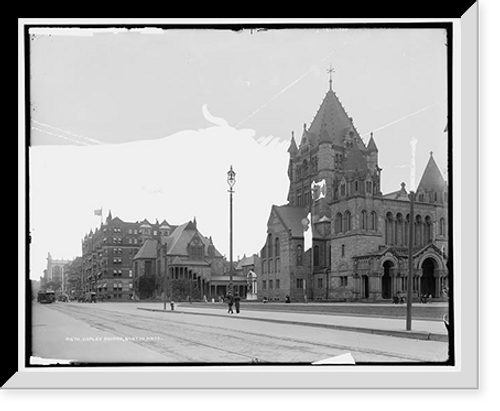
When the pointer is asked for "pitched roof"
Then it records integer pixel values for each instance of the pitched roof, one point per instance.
(432, 179)
(355, 160)
(291, 217)
(371, 144)
(148, 250)
(245, 261)
(332, 121)
(182, 235)
(293, 146)
(401, 194)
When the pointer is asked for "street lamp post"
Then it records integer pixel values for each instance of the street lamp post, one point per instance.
(231, 180)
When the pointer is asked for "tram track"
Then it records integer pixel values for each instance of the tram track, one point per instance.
(188, 335)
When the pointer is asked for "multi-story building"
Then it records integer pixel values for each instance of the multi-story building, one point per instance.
(54, 276)
(360, 235)
(108, 253)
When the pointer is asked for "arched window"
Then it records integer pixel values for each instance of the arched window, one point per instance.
(373, 223)
(299, 255)
(356, 186)
(427, 230)
(419, 233)
(269, 245)
(407, 230)
(338, 223)
(276, 265)
(277, 247)
(316, 256)
(389, 229)
(270, 265)
(441, 227)
(364, 221)
(347, 221)
(399, 229)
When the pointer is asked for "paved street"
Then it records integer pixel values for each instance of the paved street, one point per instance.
(198, 333)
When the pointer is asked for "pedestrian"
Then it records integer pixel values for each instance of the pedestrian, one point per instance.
(287, 299)
(237, 300)
(230, 302)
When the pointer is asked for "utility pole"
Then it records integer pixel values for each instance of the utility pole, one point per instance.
(165, 275)
(410, 265)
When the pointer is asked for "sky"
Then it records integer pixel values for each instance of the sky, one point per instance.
(147, 123)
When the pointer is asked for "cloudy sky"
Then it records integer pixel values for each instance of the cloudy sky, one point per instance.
(147, 123)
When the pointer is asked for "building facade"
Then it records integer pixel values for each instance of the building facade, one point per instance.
(184, 264)
(108, 253)
(54, 275)
(360, 235)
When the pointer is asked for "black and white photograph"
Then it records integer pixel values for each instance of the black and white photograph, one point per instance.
(240, 195)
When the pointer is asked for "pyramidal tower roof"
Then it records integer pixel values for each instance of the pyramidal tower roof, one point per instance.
(432, 179)
(333, 121)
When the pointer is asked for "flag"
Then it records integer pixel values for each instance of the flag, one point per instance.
(318, 190)
(306, 223)
(98, 212)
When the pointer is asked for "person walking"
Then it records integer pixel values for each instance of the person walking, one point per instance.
(237, 300)
(230, 302)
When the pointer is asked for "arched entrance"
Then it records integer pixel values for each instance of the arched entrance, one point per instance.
(387, 280)
(365, 291)
(427, 282)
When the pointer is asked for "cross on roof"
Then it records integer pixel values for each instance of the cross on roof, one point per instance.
(330, 71)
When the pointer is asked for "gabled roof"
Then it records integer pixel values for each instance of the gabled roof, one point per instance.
(291, 217)
(401, 194)
(148, 250)
(245, 261)
(432, 179)
(182, 235)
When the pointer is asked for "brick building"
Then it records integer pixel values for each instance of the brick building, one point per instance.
(360, 235)
(108, 253)
(187, 260)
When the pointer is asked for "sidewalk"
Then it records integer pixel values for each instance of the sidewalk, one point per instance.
(420, 329)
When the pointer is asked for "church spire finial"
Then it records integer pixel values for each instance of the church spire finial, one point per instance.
(330, 71)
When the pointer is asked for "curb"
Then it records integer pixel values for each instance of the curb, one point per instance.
(415, 335)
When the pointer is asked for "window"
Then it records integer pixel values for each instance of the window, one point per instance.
(320, 283)
(356, 185)
(441, 227)
(277, 265)
(363, 220)
(300, 283)
(343, 281)
(264, 284)
(342, 250)
(277, 247)
(347, 222)
(316, 256)
(338, 223)
(342, 190)
(299, 256)
(369, 187)
(277, 284)
(270, 284)
(373, 224)
(270, 265)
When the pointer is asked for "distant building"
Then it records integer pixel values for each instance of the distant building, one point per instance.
(189, 263)
(54, 275)
(108, 253)
(360, 235)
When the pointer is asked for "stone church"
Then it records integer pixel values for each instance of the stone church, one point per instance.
(360, 235)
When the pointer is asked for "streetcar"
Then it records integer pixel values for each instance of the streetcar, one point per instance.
(46, 297)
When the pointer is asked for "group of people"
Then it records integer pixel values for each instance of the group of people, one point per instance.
(233, 300)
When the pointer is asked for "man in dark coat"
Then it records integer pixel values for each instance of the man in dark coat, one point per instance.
(237, 300)
(230, 302)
